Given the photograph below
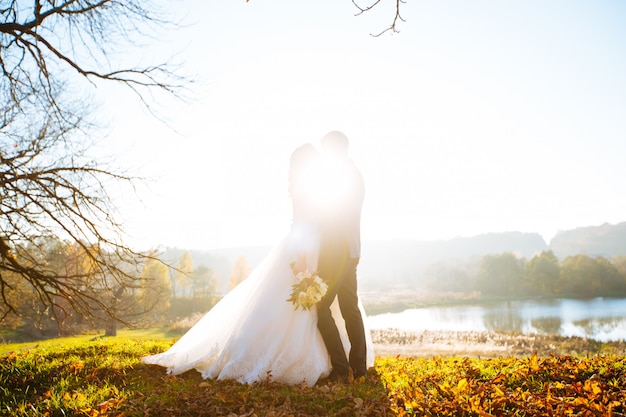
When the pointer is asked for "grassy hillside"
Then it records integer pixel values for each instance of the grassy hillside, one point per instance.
(92, 377)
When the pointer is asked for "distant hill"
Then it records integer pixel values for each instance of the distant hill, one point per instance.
(606, 240)
(402, 261)
(405, 262)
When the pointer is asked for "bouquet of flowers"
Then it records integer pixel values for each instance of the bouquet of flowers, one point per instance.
(308, 290)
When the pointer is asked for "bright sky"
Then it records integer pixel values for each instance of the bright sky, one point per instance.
(479, 116)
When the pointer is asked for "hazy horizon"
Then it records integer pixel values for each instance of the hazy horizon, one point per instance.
(366, 241)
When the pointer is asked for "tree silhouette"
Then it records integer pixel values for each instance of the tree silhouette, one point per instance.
(50, 187)
(241, 270)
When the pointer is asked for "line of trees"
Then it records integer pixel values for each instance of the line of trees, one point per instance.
(158, 295)
(76, 298)
(506, 275)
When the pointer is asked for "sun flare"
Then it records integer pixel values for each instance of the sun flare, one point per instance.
(329, 185)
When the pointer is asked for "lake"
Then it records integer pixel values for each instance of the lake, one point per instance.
(602, 319)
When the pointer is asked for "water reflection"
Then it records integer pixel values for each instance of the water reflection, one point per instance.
(600, 318)
(602, 328)
(547, 325)
(503, 317)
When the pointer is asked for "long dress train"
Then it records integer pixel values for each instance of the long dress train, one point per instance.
(254, 333)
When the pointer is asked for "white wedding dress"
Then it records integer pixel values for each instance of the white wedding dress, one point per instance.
(254, 334)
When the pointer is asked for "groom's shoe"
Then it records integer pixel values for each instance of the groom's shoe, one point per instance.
(360, 373)
(338, 377)
(360, 378)
(335, 377)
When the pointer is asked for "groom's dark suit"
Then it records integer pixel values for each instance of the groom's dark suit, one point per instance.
(340, 250)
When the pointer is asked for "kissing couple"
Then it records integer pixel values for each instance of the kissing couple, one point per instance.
(258, 331)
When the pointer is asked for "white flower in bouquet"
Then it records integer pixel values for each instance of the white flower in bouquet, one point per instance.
(308, 290)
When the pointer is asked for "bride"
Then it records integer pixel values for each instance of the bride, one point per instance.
(254, 334)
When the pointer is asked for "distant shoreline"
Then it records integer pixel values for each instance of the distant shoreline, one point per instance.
(397, 301)
(393, 342)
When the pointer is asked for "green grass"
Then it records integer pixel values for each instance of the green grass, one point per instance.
(140, 334)
(95, 376)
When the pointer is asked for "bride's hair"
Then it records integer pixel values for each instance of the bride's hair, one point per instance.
(300, 164)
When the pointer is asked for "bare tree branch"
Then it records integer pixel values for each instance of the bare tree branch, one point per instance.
(60, 237)
(397, 17)
(46, 192)
(82, 35)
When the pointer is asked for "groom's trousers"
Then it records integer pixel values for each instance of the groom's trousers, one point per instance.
(339, 271)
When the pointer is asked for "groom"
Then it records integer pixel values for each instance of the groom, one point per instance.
(340, 250)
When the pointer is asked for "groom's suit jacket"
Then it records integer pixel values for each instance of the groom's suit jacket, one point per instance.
(341, 225)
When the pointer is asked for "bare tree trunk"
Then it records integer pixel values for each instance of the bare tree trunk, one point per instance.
(111, 328)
